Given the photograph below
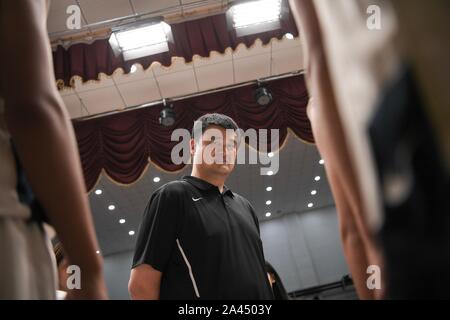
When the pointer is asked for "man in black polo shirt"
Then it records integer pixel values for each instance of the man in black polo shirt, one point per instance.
(198, 239)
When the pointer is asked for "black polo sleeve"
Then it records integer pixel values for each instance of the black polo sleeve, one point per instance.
(160, 227)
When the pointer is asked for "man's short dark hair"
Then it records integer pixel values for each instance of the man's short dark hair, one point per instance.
(210, 119)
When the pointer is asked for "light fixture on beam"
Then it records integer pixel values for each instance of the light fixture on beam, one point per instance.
(263, 96)
(252, 17)
(136, 40)
(167, 115)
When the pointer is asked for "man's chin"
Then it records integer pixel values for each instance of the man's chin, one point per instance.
(224, 168)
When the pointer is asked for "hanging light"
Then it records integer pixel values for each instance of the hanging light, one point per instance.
(167, 115)
(262, 96)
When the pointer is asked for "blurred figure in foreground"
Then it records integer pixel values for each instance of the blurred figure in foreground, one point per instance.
(34, 121)
(379, 112)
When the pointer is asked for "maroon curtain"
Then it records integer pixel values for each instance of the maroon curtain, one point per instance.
(122, 144)
(192, 37)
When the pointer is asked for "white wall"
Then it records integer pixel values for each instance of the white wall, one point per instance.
(305, 248)
(117, 273)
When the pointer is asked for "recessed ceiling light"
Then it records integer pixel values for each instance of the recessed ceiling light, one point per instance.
(270, 154)
(268, 202)
(268, 214)
(133, 68)
(317, 178)
(321, 161)
(111, 207)
(131, 233)
(122, 221)
(98, 191)
(310, 205)
(97, 252)
(270, 172)
(289, 36)
(156, 179)
(269, 188)
(314, 192)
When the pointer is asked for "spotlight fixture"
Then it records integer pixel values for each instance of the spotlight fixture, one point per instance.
(167, 115)
(252, 17)
(262, 96)
(136, 40)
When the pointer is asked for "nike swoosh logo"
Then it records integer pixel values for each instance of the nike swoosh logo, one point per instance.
(195, 199)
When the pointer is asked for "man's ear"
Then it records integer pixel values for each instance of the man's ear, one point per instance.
(192, 147)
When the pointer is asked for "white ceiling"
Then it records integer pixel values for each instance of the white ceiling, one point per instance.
(126, 90)
(292, 185)
(97, 11)
(120, 91)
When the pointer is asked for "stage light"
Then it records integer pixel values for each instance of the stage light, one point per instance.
(262, 96)
(255, 16)
(167, 115)
(136, 40)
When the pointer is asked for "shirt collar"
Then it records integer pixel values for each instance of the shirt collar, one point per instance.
(205, 185)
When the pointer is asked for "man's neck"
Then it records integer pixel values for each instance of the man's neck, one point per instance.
(218, 181)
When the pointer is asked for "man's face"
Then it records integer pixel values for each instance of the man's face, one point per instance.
(215, 152)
